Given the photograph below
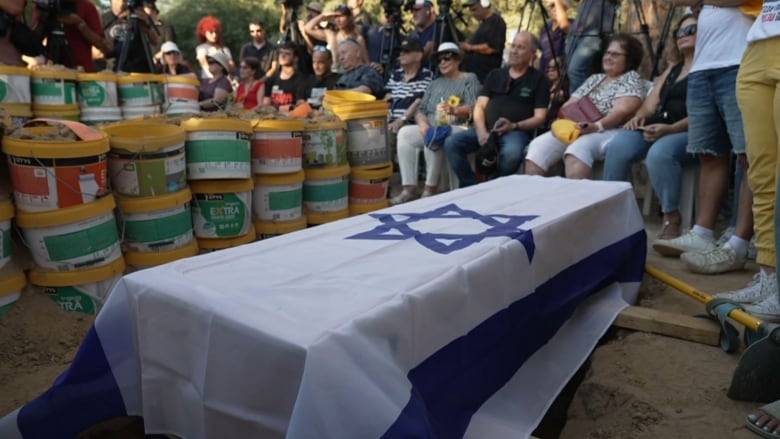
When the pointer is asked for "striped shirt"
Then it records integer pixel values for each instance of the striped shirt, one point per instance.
(403, 93)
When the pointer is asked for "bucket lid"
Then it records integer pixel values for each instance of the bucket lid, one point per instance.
(313, 125)
(64, 74)
(265, 125)
(380, 171)
(139, 259)
(217, 124)
(134, 78)
(12, 279)
(221, 186)
(50, 278)
(323, 173)
(275, 179)
(361, 110)
(97, 144)
(15, 70)
(348, 96)
(110, 77)
(220, 243)
(144, 137)
(182, 79)
(158, 202)
(6, 209)
(280, 227)
(67, 215)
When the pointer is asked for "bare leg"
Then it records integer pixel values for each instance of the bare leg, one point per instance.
(713, 183)
(532, 168)
(576, 168)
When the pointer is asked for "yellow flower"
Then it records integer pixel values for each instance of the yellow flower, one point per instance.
(454, 101)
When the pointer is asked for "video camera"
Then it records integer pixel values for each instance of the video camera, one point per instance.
(392, 8)
(57, 7)
(292, 4)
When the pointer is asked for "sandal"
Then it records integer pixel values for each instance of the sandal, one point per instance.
(670, 230)
(403, 197)
(765, 421)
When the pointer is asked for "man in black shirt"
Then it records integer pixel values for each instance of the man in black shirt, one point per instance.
(288, 87)
(323, 78)
(512, 103)
(485, 49)
(116, 27)
(260, 48)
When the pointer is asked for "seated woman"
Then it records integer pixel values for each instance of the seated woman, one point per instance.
(214, 91)
(411, 138)
(660, 126)
(251, 91)
(617, 93)
(172, 63)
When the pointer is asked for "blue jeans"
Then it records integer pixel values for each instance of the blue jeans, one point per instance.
(581, 56)
(623, 150)
(665, 162)
(458, 146)
(714, 120)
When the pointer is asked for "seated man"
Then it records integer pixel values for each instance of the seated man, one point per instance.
(323, 78)
(512, 103)
(358, 76)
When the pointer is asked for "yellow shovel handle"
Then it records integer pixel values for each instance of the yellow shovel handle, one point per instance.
(740, 316)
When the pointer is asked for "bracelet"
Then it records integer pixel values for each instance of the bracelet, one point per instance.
(600, 126)
(81, 26)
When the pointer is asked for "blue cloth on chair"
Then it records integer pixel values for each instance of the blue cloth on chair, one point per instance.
(434, 137)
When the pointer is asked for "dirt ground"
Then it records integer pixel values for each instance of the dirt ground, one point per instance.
(637, 385)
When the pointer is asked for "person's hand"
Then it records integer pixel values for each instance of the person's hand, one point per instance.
(634, 123)
(587, 128)
(423, 128)
(482, 137)
(445, 107)
(503, 125)
(395, 125)
(378, 67)
(70, 19)
(655, 131)
(466, 47)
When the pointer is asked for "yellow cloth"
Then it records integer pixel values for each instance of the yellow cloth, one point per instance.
(565, 130)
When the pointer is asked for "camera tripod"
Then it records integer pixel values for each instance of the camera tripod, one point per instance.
(445, 30)
(57, 48)
(293, 35)
(389, 48)
(133, 35)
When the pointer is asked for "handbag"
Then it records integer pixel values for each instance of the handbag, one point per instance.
(583, 111)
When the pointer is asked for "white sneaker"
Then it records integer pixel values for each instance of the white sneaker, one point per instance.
(688, 242)
(767, 309)
(725, 236)
(752, 252)
(761, 287)
(718, 260)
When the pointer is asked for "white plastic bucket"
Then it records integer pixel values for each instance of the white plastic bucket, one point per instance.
(100, 115)
(181, 95)
(278, 197)
(324, 144)
(222, 208)
(15, 85)
(277, 146)
(97, 90)
(12, 281)
(140, 90)
(155, 224)
(53, 88)
(368, 189)
(6, 213)
(75, 238)
(218, 148)
(141, 260)
(82, 291)
(325, 194)
(140, 111)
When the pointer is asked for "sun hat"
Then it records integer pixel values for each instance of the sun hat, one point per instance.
(222, 59)
(169, 46)
(449, 47)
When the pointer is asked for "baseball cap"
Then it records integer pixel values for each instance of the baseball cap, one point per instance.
(343, 10)
(314, 6)
(422, 4)
(449, 47)
(412, 45)
(169, 46)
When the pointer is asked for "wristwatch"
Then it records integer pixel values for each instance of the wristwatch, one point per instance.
(81, 26)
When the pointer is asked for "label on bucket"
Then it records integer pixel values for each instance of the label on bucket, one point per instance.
(367, 142)
(148, 175)
(160, 230)
(218, 154)
(42, 184)
(91, 94)
(325, 195)
(221, 215)
(324, 148)
(89, 243)
(368, 191)
(278, 203)
(139, 94)
(71, 299)
(277, 153)
(52, 91)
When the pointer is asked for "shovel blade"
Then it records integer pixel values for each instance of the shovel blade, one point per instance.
(757, 376)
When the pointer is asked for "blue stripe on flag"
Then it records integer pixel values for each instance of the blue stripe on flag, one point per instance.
(84, 395)
(451, 385)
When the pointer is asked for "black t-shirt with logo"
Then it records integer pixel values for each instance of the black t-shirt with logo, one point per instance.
(287, 91)
(514, 99)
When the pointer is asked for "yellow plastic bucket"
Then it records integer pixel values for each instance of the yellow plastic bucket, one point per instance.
(53, 88)
(84, 291)
(73, 238)
(222, 208)
(12, 281)
(63, 112)
(97, 90)
(140, 90)
(156, 224)
(325, 194)
(368, 188)
(336, 97)
(15, 85)
(269, 229)
(139, 260)
(146, 160)
(278, 197)
(6, 213)
(324, 144)
(366, 133)
(48, 175)
(277, 146)
(219, 244)
(218, 148)
(181, 95)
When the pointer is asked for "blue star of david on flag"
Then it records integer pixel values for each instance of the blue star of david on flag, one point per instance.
(400, 226)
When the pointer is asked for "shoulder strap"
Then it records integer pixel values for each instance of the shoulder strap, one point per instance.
(666, 89)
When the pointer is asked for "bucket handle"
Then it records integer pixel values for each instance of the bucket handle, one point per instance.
(81, 131)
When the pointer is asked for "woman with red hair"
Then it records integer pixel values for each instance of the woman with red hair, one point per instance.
(210, 41)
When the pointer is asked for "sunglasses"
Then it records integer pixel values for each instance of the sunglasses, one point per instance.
(447, 57)
(173, 52)
(212, 61)
(686, 31)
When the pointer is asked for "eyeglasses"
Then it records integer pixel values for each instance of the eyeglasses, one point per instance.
(212, 61)
(447, 57)
(613, 54)
(320, 49)
(686, 31)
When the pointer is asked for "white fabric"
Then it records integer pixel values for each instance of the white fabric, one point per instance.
(721, 38)
(409, 144)
(545, 150)
(767, 24)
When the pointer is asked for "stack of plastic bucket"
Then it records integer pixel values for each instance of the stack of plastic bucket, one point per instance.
(54, 93)
(367, 147)
(140, 94)
(326, 171)
(66, 213)
(98, 98)
(15, 96)
(148, 173)
(181, 95)
(220, 176)
(12, 279)
(277, 165)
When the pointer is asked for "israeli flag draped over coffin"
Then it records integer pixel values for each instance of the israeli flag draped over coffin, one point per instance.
(459, 315)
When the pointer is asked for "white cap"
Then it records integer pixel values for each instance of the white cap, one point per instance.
(449, 47)
(169, 46)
